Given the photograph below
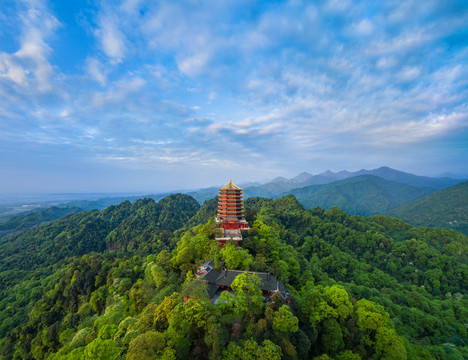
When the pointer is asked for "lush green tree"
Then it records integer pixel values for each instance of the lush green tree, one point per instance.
(388, 345)
(148, 346)
(250, 349)
(102, 349)
(284, 322)
(247, 297)
(236, 258)
(331, 338)
(216, 337)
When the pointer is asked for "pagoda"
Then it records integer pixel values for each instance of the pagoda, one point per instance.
(231, 213)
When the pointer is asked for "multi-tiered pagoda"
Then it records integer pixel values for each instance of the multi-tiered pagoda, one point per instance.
(231, 213)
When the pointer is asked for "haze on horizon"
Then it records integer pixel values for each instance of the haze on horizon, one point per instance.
(142, 96)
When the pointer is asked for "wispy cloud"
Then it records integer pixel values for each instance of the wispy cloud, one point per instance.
(97, 70)
(111, 38)
(29, 65)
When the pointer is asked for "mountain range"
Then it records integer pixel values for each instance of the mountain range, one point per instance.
(281, 185)
(383, 172)
(364, 192)
(360, 195)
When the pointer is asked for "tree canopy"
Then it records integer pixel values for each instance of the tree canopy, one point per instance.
(118, 284)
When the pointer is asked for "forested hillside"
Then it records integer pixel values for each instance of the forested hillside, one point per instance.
(447, 208)
(34, 218)
(111, 284)
(387, 173)
(361, 195)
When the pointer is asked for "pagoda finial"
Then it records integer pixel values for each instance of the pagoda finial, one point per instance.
(231, 186)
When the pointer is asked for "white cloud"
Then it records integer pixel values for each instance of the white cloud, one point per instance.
(417, 130)
(194, 64)
(337, 5)
(111, 38)
(409, 73)
(118, 93)
(363, 27)
(212, 96)
(97, 70)
(403, 43)
(386, 62)
(29, 66)
(11, 69)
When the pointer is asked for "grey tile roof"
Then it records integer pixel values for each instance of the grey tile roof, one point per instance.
(215, 279)
(269, 281)
(211, 289)
(208, 263)
(212, 276)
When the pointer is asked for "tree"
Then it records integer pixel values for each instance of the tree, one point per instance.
(388, 345)
(370, 316)
(102, 349)
(196, 289)
(157, 274)
(331, 339)
(236, 258)
(162, 314)
(250, 349)
(148, 346)
(284, 322)
(247, 298)
(216, 337)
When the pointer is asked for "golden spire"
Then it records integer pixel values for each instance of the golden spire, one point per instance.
(231, 186)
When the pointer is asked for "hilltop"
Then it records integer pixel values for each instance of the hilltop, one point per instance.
(361, 195)
(447, 208)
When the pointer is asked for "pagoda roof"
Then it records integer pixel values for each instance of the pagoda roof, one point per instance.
(230, 186)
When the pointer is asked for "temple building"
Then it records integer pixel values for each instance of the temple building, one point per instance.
(221, 280)
(231, 213)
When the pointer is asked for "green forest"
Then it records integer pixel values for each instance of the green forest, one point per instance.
(361, 195)
(446, 208)
(119, 283)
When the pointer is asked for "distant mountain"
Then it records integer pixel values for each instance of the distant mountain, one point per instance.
(453, 176)
(269, 190)
(203, 195)
(341, 175)
(278, 179)
(360, 195)
(34, 218)
(281, 185)
(410, 179)
(447, 208)
(301, 178)
(395, 175)
(250, 183)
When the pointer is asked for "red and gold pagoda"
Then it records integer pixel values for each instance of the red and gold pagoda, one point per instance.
(231, 212)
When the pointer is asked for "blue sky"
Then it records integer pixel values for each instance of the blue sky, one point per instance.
(148, 96)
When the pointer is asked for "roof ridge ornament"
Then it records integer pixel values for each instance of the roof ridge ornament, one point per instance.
(231, 186)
